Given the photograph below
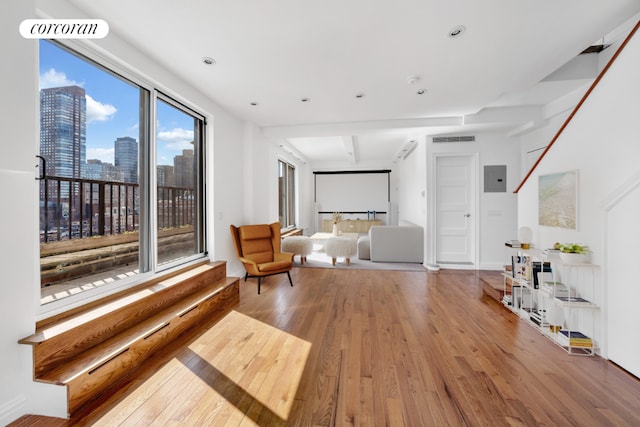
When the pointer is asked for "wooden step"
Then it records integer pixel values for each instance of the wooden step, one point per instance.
(93, 349)
(57, 342)
(492, 284)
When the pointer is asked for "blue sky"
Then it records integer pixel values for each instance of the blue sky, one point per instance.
(112, 106)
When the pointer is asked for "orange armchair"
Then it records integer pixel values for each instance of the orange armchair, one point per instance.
(258, 248)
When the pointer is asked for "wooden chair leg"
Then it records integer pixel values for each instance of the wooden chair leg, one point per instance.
(348, 261)
(333, 261)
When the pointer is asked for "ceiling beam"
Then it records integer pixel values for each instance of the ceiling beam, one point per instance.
(292, 151)
(504, 115)
(404, 151)
(579, 68)
(356, 128)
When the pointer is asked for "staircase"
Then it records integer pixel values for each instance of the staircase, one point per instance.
(92, 348)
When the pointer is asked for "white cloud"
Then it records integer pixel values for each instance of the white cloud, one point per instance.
(104, 154)
(53, 78)
(177, 138)
(97, 111)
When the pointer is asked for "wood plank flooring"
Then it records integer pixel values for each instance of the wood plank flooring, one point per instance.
(369, 348)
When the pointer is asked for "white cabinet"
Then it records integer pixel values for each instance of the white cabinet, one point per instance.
(556, 298)
(350, 225)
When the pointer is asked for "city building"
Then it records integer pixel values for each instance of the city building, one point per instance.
(99, 170)
(126, 158)
(183, 169)
(165, 176)
(63, 117)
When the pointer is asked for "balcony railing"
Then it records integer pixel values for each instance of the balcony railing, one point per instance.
(72, 208)
(89, 231)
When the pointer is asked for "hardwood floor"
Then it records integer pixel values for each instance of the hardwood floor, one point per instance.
(369, 348)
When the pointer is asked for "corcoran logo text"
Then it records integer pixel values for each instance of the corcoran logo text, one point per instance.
(64, 28)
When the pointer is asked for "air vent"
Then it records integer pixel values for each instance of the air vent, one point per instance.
(439, 139)
(596, 48)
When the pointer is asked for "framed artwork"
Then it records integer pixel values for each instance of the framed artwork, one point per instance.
(558, 200)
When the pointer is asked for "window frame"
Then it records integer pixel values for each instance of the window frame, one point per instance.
(291, 206)
(150, 92)
(200, 227)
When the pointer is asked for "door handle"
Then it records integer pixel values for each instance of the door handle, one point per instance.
(467, 215)
(42, 164)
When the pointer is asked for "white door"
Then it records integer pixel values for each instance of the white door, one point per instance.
(455, 209)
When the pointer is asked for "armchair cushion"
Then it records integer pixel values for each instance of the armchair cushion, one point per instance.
(252, 232)
(256, 242)
(274, 266)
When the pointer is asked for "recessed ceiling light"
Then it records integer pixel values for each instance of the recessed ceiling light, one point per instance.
(254, 103)
(208, 60)
(360, 95)
(456, 31)
(421, 91)
(305, 99)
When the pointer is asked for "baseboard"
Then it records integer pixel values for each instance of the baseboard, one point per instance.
(491, 266)
(454, 266)
(469, 266)
(12, 409)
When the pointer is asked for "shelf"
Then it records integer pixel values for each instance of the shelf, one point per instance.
(575, 303)
(516, 281)
(552, 303)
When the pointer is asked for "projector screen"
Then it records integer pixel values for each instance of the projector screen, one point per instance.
(352, 191)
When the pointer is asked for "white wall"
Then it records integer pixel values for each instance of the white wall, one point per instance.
(411, 189)
(411, 186)
(601, 142)
(19, 249)
(18, 218)
(497, 211)
(256, 202)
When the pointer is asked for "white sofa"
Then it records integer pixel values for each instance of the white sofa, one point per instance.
(393, 243)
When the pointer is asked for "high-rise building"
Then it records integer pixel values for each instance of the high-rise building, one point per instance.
(165, 176)
(102, 171)
(63, 124)
(126, 157)
(183, 169)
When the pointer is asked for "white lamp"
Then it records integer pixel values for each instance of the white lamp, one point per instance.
(525, 235)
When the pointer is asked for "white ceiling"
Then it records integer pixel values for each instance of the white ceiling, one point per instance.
(277, 52)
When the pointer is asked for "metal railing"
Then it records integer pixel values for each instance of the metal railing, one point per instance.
(73, 208)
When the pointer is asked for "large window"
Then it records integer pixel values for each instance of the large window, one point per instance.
(117, 199)
(286, 195)
(179, 177)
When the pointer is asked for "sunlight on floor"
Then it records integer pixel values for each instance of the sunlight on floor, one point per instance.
(57, 292)
(237, 373)
(253, 365)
